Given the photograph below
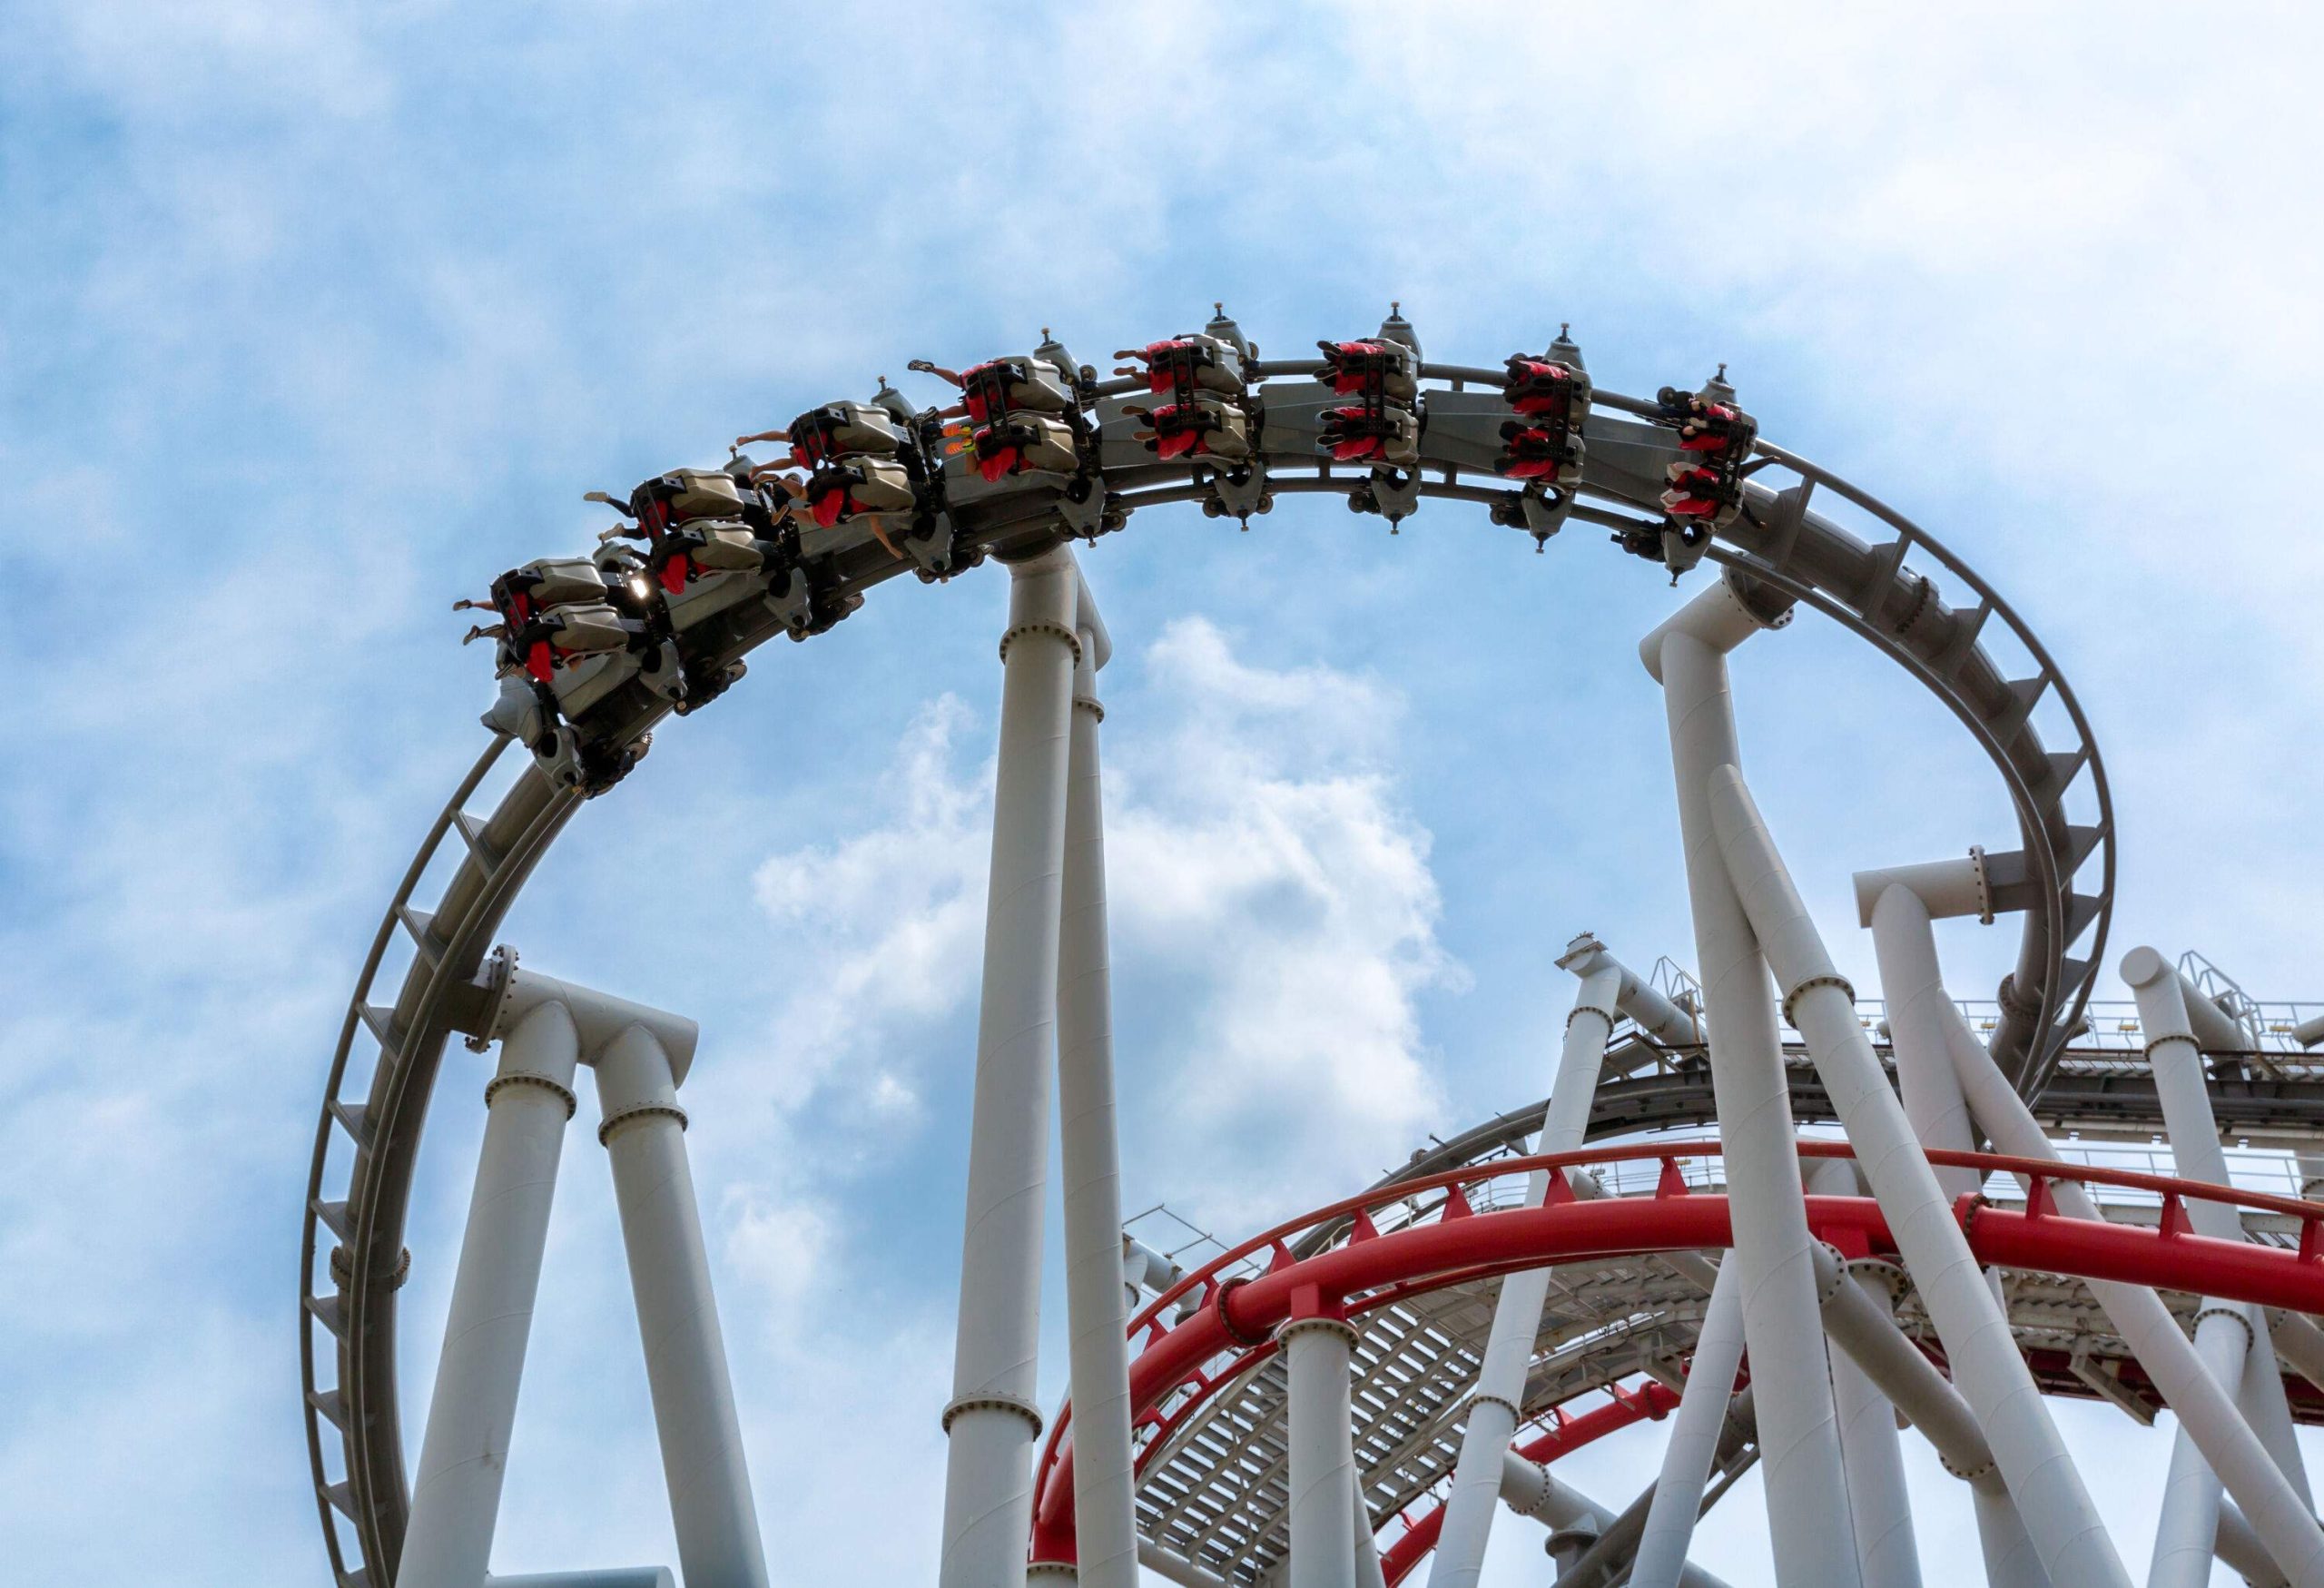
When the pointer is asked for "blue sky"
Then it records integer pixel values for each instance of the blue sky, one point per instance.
(312, 320)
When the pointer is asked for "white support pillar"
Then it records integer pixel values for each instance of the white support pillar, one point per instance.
(1368, 1571)
(1497, 1401)
(1693, 1442)
(992, 1419)
(1323, 1458)
(700, 1435)
(2229, 1337)
(464, 1454)
(2282, 1522)
(1806, 1493)
(1096, 1298)
(1992, 1375)
(1898, 904)
(1877, 1501)
(1914, 990)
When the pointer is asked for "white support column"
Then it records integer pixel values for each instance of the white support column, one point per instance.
(1097, 1301)
(1896, 903)
(1323, 1458)
(2282, 1522)
(1914, 990)
(1693, 1441)
(1877, 1502)
(1992, 1375)
(700, 1435)
(1368, 1571)
(2229, 1337)
(464, 1454)
(1806, 1493)
(992, 1419)
(1496, 1403)
(2260, 1398)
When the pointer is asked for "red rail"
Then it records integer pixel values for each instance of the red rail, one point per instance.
(1238, 1316)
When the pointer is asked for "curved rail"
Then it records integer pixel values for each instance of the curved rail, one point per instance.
(1449, 1243)
(360, 1175)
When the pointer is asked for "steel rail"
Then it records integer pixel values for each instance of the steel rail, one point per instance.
(351, 1297)
(1241, 1309)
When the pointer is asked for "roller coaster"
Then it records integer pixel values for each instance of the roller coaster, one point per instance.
(1676, 1233)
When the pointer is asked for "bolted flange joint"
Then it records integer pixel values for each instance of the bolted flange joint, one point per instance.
(635, 1112)
(1579, 1010)
(527, 1078)
(2251, 1338)
(1792, 997)
(1042, 627)
(995, 1402)
(1324, 1322)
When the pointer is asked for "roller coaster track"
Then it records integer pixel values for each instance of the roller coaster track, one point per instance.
(1910, 596)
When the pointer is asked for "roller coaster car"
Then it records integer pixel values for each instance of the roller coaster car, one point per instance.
(1384, 435)
(552, 612)
(695, 521)
(1379, 368)
(1199, 426)
(1552, 399)
(565, 636)
(852, 451)
(567, 759)
(1706, 488)
(1183, 363)
(1000, 388)
(1023, 442)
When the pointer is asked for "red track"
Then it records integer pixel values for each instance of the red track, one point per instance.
(1238, 1316)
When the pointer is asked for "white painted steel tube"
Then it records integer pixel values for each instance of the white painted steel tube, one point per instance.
(1877, 1504)
(1913, 989)
(694, 1419)
(1944, 887)
(1987, 1367)
(1693, 1441)
(1867, 1335)
(2301, 1344)
(1322, 1461)
(993, 1419)
(616, 1577)
(1177, 1568)
(464, 1454)
(2010, 1559)
(2240, 1548)
(1368, 1571)
(1497, 1401)
(1533, 1491)
(1097, 1312)
(2203, 1407)
(2228, 1338)
(2309, 1033)
(1799, 1428)
(2187, 1521)
(2260, 1398)
(1918, 1014)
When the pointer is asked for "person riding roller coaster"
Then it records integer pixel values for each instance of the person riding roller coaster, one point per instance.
(1022, 416)
(1381, 429)
(1199, 426)
(1183, 363)
(1198, 373)
(850, 451)
(550, 610)
(1705, 485)
(1707, 488)
(697, 522)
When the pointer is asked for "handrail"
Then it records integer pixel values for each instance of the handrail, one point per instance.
(1051, 1484)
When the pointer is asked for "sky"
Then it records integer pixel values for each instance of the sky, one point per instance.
(315, 317)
